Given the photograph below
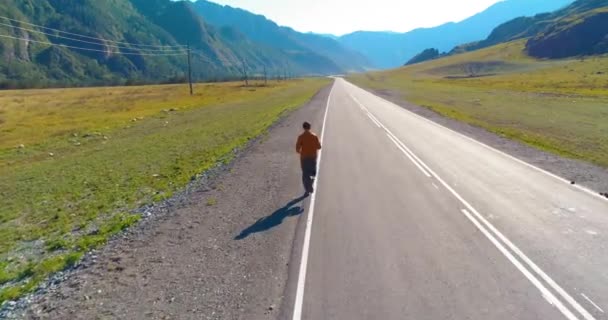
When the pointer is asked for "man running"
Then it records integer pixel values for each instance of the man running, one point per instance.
(308, 146)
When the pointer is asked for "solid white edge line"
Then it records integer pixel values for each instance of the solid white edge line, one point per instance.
(374, 121)
(509, 244)
(593, 303)
(373, 117)
(584, 189)
(550, 297)
(537, 269)
(297, 311)
(503, 238)
(410, 157)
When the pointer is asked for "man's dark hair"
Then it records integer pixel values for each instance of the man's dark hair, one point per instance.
(306, 126)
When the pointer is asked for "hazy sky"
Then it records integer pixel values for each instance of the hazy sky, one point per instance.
(344, 16)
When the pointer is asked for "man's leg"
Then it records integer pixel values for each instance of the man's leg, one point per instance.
(311, 172)
(305, 176)
(308, 169)
(313, 168)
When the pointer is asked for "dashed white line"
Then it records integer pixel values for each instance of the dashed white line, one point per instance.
(579, 187)
(546, 293)
(297, 311)
(550, 297)
(396, 141)
(592, 303)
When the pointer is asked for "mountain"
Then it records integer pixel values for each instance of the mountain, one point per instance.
(388, 50)
(308, 47)
(91, 42)
(425, 55)
(578, 29)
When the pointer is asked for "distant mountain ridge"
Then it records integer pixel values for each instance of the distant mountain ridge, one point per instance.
(578, 29)
(308, 47)
(112, 42)
(388, 50)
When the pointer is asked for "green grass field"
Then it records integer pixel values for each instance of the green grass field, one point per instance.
(559, 106)
(75, 162)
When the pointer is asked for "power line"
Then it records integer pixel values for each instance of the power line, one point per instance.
(203, 56)
(190, 71)
(93, 38)
(94, 50)
(90, 42)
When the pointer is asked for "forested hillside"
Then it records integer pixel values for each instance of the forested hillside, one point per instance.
(104, 42)
(578, 29)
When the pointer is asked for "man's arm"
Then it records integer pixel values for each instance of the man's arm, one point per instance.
(318, 144)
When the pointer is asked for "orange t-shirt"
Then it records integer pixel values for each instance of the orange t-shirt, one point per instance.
(308, 145)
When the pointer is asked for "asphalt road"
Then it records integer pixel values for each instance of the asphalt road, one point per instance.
(414, 221)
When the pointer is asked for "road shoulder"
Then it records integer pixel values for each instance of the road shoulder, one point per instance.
(222, 253)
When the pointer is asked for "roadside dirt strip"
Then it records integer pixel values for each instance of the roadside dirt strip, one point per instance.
(223, 254)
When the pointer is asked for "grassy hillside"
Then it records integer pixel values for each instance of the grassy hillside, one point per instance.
(391, 50)
(75, 162)
(555, 105)
(578, 29)
(304, 49)
(125, 42)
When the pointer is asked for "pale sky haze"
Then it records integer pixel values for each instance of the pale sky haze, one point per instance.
(344, 16)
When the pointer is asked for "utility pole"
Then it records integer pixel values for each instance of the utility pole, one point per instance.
(190, 70)
(265, 76)
(245, 73)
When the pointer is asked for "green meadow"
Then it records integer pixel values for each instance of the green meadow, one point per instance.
(560, 106)
(74, 163)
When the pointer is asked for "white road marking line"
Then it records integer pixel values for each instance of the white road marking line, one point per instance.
(408, 155)
(586, 315)
(297, 311)
(374, 121)
(396, 141)
(434, 185)
(552, 299)
(589, 191)
(404, 147)
(509, 244)
(359, 103)
(506, 241)
(373, 117)
(592, 303)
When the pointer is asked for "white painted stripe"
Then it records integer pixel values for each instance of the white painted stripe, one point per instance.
(506, 241)
(373, 117)
(297, 311)
(359, 103)
(586, 315)
(409, 151)
(550, 297)
(374, 121)
(592, 303)
(509, 244)
(579, 187)
(409, 156)
(434, 185)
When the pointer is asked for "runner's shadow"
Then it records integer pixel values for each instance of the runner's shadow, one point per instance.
(273, 220)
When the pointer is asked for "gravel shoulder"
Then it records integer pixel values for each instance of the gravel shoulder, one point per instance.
(220, 251)
(583, 173)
